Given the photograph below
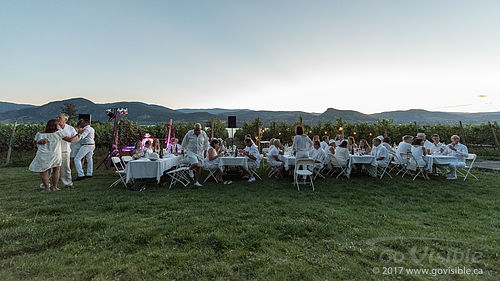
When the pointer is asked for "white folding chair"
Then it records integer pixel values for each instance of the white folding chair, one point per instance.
(303, 170)
(414, 166)
(396, 165)
(211, 174)
(180, 174)
(341, 169)
(126, 159)
(403, 161)
(382, 170)
(465, 171)
(318, 170)
(119, 170)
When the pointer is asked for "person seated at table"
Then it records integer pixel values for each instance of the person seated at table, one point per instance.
(380, 153)
(339, 139)
(138, 151)
(324, 143)
(330, 150)
(455, 148)
(275, 156)
(418, 151)
(302, 144)
(315, 138)
(251, 151)
(340, 155)
(148, 148)
(404, 148)
(175, 147)
(427, 144)
(213, 159)
(351, 143)
(318, 155)
(436, 145)
(222, 146)
(387, 144)
(364, 147)
(156, 145)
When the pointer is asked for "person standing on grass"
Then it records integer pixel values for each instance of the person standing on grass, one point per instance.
(69, 133)
(195, 143)
(302, 144)
(48, 156)
(86, 150)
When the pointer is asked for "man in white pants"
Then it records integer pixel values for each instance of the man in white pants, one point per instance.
(195, 143)
(70, 134)
(87, 143)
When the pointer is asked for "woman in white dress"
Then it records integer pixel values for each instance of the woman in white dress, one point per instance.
(418, 151)
(48, 156)
(213, 158)
(302, 144)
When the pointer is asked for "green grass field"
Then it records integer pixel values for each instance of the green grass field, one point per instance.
(361, 229)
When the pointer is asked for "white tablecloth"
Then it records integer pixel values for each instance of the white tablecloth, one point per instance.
(241, 161)
(360, 159)
(145, 168)
(437, 159)
(289, 160)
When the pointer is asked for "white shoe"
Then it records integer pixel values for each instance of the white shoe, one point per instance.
(228, 182)
(244, 177)
(252, 179)
(197, 184)
(451, 177)
(43, 186)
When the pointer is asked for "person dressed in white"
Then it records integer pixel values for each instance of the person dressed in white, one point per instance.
(213, 159)
(274, 156)
(70, 134)
(251, 151)
(380, 152)
(86, 150)
(48, 156)
(340, 155)
(404, 148)
(324, 143)
(339, 139)
(418, 151)
(436, 145)
(195, 143)
(387, 144)
(302, 144)
(330, 150)
(175, 147)
(148, 148)
(427, 144)
(318, 155)
(455, 148)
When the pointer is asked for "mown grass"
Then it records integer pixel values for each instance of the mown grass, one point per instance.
(261, 231)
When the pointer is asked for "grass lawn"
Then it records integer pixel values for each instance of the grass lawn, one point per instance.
(360, 229)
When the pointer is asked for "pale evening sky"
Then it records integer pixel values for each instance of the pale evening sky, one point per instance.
(369, 56)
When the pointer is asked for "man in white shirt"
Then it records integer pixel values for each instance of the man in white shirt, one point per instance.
(195, 143)
(455, 148)
(274, 156)
(404, 147)
(251, 151)
(318, 155)
(339, 139)
(436, 145)
(324, 143)
(87, 135)
(427, 144)
(386, 142)
(70, 134)
(381, 156)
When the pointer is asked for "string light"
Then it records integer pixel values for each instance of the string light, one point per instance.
(340, 129)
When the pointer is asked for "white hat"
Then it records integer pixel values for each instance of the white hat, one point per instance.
(154, 156)
(331, 141)
(380, 138)
(420, 135)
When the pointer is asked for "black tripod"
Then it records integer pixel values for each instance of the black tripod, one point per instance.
(113, 151)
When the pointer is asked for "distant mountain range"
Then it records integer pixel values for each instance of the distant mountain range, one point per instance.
(152, 114)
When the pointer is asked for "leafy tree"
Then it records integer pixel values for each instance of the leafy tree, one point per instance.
(70, 109)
